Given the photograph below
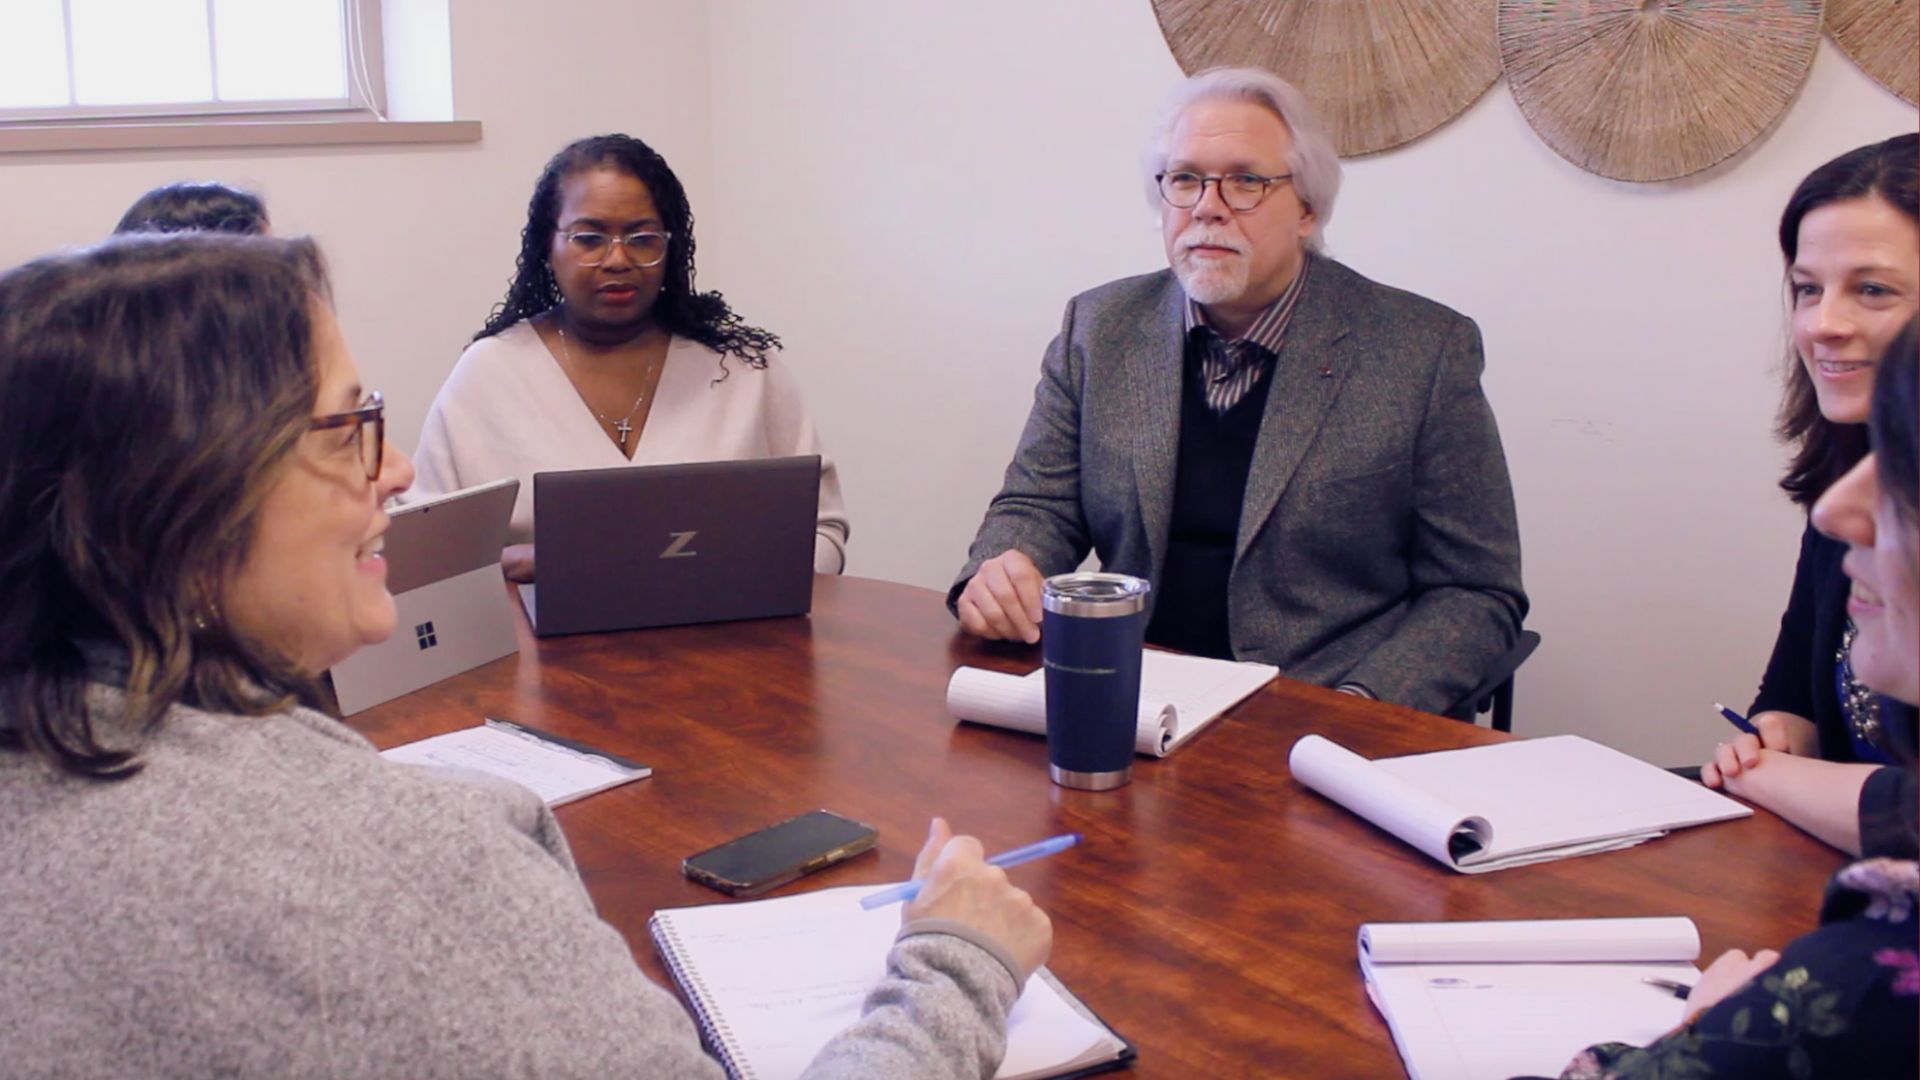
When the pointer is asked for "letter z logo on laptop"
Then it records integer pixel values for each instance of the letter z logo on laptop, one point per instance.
(678, 549)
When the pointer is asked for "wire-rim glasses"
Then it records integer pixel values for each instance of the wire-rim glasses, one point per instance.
(591, 248)
(1241, 191)
(371, 445)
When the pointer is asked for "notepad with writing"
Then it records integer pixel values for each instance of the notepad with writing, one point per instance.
(558, 770)
(1511, 803)
(1179, 695)
(772, 981)
(1468, 1000)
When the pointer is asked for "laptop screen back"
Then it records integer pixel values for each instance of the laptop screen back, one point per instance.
(663, 545)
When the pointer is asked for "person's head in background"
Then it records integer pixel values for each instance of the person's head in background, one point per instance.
(608, 246)
(1875, 510)
(1850, 236)
(192, 477)
(205, 206)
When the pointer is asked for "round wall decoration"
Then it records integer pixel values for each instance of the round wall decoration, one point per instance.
(1379, 72)
(1883, 37)
(1655, 89)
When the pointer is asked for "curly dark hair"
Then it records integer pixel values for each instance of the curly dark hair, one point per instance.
(703, 317)
(1824, 450)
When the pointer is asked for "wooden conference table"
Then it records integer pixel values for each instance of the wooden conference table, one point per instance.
(1210, 914)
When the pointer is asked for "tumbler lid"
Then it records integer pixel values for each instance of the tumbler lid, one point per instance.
(1095, 596)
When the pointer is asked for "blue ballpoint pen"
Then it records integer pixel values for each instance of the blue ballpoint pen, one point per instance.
(1737, 720)
(907, 890)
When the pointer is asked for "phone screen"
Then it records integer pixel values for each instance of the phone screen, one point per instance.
(780, 853)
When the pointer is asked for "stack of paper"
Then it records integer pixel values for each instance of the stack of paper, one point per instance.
(1512, 803)
(1179, 695)
(1471, 1000)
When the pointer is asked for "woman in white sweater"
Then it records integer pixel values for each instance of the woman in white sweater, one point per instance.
(603, 354)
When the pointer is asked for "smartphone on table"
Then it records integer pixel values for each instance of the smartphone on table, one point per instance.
(767, 859)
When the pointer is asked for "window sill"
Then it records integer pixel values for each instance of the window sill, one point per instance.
(199, 135)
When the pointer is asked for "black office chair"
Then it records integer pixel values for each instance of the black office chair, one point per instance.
(1495, 692)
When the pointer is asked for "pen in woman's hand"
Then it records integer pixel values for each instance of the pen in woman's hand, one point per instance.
(1677, 989)
(1040, 849)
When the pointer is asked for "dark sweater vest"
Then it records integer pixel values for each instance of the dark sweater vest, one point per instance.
(1216, 453)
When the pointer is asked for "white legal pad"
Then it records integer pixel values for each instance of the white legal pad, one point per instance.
(1470, 1000)
(772, 981)
(558, 770)
(1179, 695)
(1512, 803)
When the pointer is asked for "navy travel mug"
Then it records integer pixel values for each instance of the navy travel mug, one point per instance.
(1091, 633)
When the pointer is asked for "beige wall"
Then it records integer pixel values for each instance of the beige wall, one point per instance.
(909, 193)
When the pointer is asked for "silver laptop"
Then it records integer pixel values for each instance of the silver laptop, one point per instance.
(664, 545)
(443, 569)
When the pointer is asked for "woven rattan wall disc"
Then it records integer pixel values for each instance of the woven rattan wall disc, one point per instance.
(1655, 89)
(1883, 37)
(1379, 72)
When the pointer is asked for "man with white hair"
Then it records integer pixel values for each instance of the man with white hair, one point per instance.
(1300, 460)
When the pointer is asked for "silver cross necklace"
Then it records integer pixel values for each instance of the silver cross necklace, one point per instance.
(623, 427)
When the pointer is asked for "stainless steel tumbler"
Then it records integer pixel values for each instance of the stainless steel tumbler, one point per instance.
(1091, 634)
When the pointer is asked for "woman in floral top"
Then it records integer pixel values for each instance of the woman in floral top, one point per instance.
(1843, 1000)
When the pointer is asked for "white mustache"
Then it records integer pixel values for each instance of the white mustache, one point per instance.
(1200, 236)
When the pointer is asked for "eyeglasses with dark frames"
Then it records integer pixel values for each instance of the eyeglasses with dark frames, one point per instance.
(369, 424)
(1241, 191)
(591, 248)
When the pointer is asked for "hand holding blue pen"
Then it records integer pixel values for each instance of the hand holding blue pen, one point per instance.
(907, 890)
(1737, 720)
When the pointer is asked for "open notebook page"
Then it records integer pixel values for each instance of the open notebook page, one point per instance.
(784, 976)
(1553, 793)
(1458, 1013)
(1509, 804)
(1473, 1021)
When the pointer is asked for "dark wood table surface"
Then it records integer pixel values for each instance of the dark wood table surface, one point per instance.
(1210, 913)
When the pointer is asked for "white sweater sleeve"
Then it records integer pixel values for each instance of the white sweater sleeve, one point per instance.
(790, 432)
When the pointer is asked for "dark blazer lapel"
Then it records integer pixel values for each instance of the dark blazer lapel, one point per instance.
(1299, 398)
(1154, 365)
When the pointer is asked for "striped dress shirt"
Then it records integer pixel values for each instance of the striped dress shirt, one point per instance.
(1228, 369)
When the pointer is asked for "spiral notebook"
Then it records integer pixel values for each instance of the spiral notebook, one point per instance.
(770, 982)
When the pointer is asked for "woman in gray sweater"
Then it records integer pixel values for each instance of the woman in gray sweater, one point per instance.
(206, 876)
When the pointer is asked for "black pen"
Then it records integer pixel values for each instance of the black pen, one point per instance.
(1677, 989)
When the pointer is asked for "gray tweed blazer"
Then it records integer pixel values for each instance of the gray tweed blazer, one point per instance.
(1377, 542)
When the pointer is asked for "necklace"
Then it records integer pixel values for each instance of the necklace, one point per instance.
(623, 427)
(1860, 705)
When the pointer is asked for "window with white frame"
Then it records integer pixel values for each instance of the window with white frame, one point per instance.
(82, 60)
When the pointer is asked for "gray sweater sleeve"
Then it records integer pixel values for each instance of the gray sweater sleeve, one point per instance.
(941, 1012)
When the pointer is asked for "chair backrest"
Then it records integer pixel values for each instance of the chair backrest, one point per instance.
(1495, 692)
